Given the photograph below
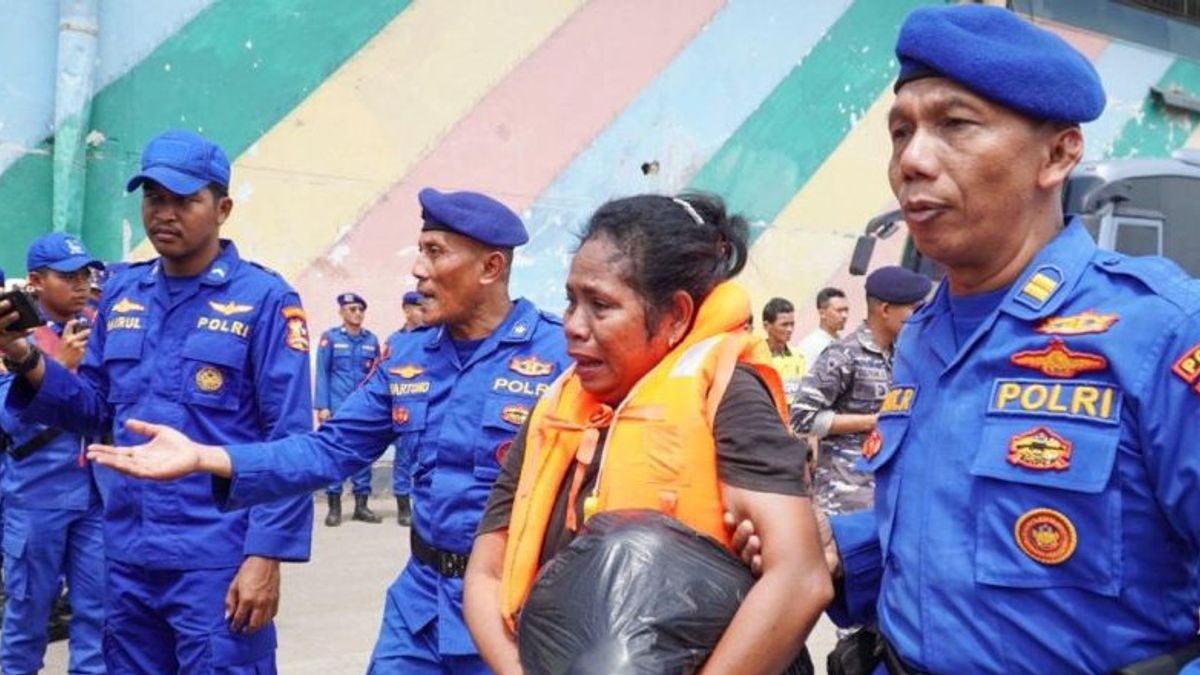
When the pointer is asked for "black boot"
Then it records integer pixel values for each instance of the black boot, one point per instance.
(335, 511)
(363, 512)
(403, 511)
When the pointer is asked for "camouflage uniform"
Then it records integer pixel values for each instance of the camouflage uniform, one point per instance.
(851, 376)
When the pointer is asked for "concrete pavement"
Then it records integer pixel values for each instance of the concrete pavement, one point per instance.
(332, 606)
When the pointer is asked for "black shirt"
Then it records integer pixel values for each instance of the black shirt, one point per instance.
(755, 451)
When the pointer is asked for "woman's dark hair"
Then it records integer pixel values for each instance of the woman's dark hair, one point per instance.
(668, 244)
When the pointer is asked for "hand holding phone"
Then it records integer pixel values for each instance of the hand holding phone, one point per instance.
(28, 315)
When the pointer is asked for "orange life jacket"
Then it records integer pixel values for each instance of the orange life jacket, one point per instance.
(659, 453)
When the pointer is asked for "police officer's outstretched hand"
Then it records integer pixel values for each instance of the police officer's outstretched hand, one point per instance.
(167, 456)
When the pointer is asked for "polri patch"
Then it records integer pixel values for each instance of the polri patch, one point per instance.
(1040, 449)
(1056, 360)
(898, 401)
(1086, 322)
(1046, 535)
(1077, 399)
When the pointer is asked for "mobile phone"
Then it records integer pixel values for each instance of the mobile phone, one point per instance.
(81, 324)
(26, 309)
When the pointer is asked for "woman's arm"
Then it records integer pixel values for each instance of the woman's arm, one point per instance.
(770, 627)
(481, 604)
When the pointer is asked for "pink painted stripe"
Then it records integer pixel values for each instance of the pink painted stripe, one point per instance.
(1090, 44)
(516, 141)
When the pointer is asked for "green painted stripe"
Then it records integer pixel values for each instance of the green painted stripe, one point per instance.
(779, 147)
(232, 72)
(1155, 131)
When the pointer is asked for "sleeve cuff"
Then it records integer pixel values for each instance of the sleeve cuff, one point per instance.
(23, 400)
(288, 548)
(822, 422)
(862, 566)
(250, 483)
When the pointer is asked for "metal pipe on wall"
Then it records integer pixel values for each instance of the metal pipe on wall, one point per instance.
(78, 37)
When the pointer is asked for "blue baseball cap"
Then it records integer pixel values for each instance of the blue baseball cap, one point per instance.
(412, 298)
(1001, 57)
(472, 215)
(898, 285)
(2, 278)
(183, 162)
(351, 299)
(60, 252)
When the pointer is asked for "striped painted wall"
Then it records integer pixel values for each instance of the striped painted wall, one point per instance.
(337, 113)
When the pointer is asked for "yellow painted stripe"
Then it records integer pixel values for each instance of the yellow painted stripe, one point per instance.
(310, 178)
(815, 232)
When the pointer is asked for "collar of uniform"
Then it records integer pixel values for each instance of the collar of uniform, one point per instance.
(866, 339)
(219, 270)
(1048, 280)
(517, 326)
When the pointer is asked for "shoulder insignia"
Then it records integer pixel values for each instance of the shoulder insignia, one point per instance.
(530, 366)
(1078, 324)
(1046, 535)
(297, 329)
(125, 306)
(898, 401)
(1056, 360)
(229, 308)
(872, 445)
(1040, 449)
(1044, 283)
(407, 371)
(1187, 368)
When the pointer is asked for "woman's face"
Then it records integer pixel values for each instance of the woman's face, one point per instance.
(605, 324)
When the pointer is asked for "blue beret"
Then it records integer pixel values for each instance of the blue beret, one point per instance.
(412, 298)
(351, 299)
(898, 285)
(472, 215)
(1001, 57)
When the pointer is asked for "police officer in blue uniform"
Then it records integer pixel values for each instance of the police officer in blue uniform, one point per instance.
(1038, 484)
(458, 390)
(345, 355)
(53, 517)
(207, 342)
(402, 464)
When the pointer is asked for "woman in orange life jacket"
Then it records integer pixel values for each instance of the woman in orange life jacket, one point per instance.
(664, 371)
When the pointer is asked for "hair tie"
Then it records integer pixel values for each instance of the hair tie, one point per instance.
(691, 210)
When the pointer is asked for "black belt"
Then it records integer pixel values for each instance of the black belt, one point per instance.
(452, 565)
(896, 665)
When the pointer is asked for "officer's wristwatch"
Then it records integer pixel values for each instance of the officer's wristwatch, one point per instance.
(22, 367)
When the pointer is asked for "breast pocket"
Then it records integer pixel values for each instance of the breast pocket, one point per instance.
(502, 418)
(1048, 509)
(214, 370)
(122, 361)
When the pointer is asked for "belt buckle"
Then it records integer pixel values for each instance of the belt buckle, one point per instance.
(451, 564)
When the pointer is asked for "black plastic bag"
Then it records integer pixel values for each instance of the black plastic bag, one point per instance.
(636, 593)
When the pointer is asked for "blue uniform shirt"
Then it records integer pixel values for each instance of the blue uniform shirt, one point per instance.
(343, 361)
(223, 358)
(460, 418)
(52, 476)
(1038, 487)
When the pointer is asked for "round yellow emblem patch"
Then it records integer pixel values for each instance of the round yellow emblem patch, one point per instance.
(1046, 535)
(209, 380)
